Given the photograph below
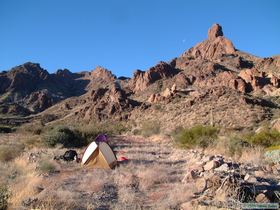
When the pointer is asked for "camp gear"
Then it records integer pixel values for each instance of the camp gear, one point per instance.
(101, 156)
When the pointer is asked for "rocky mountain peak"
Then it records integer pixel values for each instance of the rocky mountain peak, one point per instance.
(29, 68)
(212, 48)
(103, 73)
(215, 31)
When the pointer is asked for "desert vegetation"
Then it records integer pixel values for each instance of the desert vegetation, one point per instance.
(197, 136)
(157, 164)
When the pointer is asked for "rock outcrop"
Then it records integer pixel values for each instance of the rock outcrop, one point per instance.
(141, 80)
(212, 48)
(163, 96)
(104, 103)
(100, 73)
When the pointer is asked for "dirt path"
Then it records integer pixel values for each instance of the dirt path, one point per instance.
(150, 179)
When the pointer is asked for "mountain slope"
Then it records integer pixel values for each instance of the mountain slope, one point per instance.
(211, 83)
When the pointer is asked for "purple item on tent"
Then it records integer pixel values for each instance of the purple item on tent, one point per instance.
(101, 138)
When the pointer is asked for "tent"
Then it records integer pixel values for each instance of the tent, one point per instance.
(101, 138)
(99, 156)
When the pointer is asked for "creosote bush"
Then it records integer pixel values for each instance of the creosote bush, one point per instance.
(265, 138)
(233, 146)
(90, 131)
(10, 151)
(33, 128)
(45, 166)
(149, 128)
(64, 136)
(197, 136)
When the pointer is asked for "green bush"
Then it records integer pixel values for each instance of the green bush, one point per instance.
(10, 152)
(33, 141)
(65, 136)
(235, 146)
(46, 118)
(150, 128)
(197, 136)
(4, 196)
(90, 131)
(46, 166)
(33, 128)
(265, 138)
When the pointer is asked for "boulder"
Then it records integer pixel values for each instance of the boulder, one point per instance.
(223, 168)
(200, 185)
(262, 198)
(250, 178)
(211, 165)
(167, 93)
(190, 176)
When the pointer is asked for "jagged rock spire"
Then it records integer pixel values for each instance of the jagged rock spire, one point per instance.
(215, 31)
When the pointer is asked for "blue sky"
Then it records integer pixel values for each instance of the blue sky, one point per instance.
(124, 35)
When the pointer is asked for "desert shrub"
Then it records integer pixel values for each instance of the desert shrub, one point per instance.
(150, 128)
(48, 118)
(63, 135)
(235, 146)
(265, 138)
(10, 152)
(46, 166)
(158, 107)
(33, 128)
(33, 141)
(4, 196)
(90, 131)
(197, 136)
(5, 129)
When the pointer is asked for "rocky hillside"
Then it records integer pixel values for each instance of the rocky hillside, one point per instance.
(210, 83)
(28, 88)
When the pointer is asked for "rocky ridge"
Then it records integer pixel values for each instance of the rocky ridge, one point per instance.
(210, 72)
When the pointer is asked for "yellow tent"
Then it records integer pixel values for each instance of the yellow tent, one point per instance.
(99, 156)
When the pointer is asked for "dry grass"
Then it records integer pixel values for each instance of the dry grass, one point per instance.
(172, 198)
(93, 182)
(10, 151)
(237, 150)
(151, 175)
(253, 155)
(150, 180)
(24, 186)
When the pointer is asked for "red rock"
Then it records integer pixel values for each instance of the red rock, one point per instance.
(141, 80)
(102, 73)
(262, 198)
(215, 31)
(200, 185)
(214, 47)
(211, 165)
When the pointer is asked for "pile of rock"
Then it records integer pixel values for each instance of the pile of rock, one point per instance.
(227, 184)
